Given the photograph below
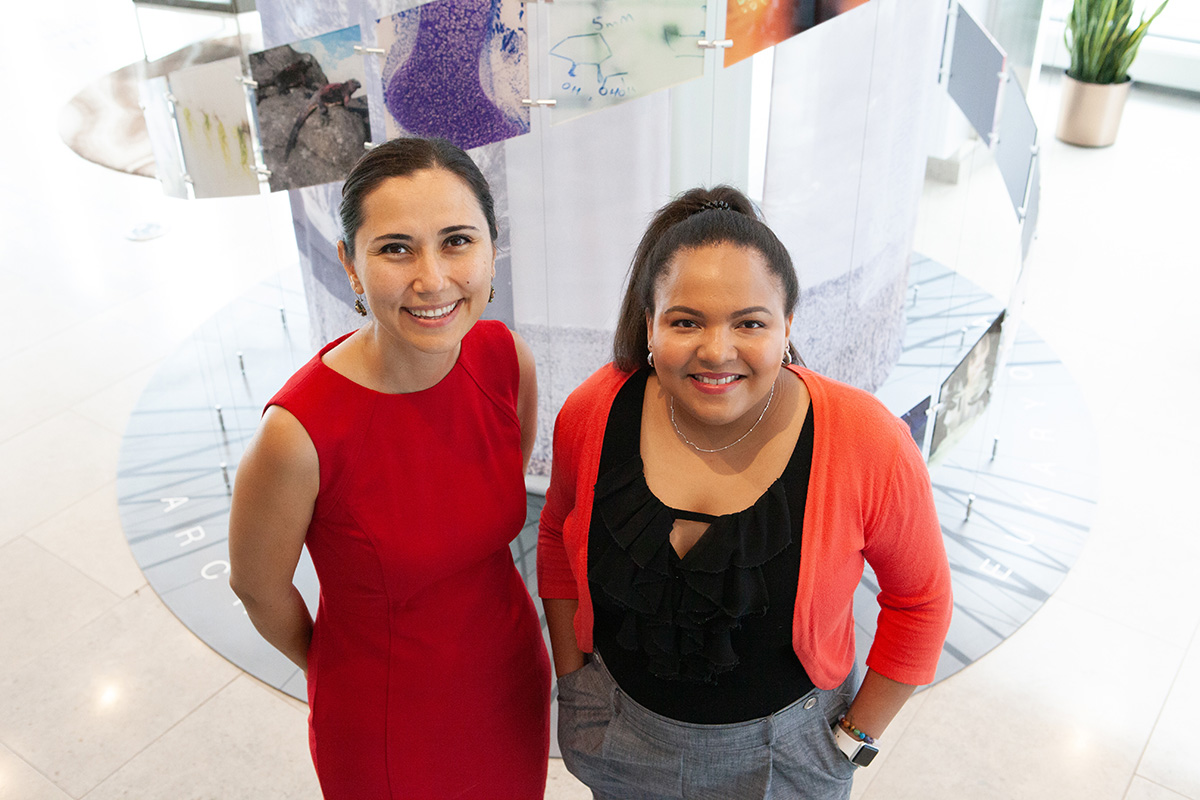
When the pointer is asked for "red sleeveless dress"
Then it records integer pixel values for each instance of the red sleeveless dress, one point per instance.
(427, 674)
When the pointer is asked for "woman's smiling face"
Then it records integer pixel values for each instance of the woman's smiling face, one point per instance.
(718, 332)
(424, 259)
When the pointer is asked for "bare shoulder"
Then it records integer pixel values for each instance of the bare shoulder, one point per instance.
(274, 494)
(275, 490)
(281, 451)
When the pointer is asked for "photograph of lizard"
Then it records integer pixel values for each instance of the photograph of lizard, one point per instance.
(312, 110)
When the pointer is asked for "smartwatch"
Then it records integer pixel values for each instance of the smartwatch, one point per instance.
(860, 753)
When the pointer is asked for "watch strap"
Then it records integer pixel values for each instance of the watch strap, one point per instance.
(857, 751)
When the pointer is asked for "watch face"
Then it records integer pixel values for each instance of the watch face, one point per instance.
(865, 755)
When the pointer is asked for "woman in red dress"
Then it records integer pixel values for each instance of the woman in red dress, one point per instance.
(397, 457)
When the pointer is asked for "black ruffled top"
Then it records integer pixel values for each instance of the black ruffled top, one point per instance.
(706, 637)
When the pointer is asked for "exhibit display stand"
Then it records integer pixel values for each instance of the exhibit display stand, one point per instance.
(584, 124)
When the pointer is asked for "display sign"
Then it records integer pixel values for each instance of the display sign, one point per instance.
(965, 393)
(1016, 138)
(214, 129)
(976, 72)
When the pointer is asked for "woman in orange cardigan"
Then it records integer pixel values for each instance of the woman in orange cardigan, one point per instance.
(709, 513)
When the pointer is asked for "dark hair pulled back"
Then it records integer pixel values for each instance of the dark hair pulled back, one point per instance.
(697, 218)
(400, 158)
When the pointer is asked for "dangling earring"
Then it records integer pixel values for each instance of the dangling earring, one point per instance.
(650, 358)
(360, 306)
(492, 294)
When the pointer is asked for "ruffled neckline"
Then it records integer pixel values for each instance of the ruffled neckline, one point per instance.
(681, 611)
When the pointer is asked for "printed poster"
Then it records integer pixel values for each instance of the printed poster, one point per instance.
(214, 128)
(456, 69)
(313, 119)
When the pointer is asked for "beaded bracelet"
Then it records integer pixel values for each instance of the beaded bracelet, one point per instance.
(849, 728)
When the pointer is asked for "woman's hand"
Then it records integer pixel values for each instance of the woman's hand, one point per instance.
(276, 487)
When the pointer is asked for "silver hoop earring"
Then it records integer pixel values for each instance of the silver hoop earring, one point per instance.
(787, 354)
(650, 358)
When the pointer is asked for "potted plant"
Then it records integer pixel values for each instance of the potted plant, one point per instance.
(1102, 46)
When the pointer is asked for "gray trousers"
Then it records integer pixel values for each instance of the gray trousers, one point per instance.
(622, 750)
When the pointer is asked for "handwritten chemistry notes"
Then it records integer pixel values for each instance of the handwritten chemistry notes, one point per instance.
(605, 52)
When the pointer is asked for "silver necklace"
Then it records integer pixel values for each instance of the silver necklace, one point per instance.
(693, 445)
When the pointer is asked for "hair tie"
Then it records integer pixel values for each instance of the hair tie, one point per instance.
(708, 205)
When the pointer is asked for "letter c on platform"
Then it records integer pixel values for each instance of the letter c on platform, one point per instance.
(214, 569)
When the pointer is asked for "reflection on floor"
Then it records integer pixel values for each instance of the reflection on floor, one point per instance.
(104, 694)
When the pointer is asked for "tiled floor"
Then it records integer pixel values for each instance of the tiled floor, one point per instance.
(103, 694)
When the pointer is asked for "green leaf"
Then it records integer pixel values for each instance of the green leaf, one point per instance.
(1101, 44)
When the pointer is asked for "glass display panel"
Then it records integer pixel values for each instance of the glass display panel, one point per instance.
(842, 180)
(606, 52)
(1016, 136)
(456, 69)
(313, 117)
(1029, 224)
(164, 135)
(754, 25)
(214, 128)
(975, 69)
(965, 393)
(1015, 25)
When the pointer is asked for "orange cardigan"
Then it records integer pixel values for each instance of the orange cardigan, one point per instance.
(869, 498)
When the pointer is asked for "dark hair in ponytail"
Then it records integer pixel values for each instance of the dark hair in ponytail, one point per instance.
(697, 218)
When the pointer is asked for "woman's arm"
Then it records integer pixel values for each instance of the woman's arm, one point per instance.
(556, 578)
(276, 487)
(583, 415)
(878, 701)
(526, 397)
(903, 543)
(904, 547)
(560, 620)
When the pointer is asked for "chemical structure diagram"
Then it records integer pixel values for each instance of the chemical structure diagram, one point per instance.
(618, 53)
(589, 50)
